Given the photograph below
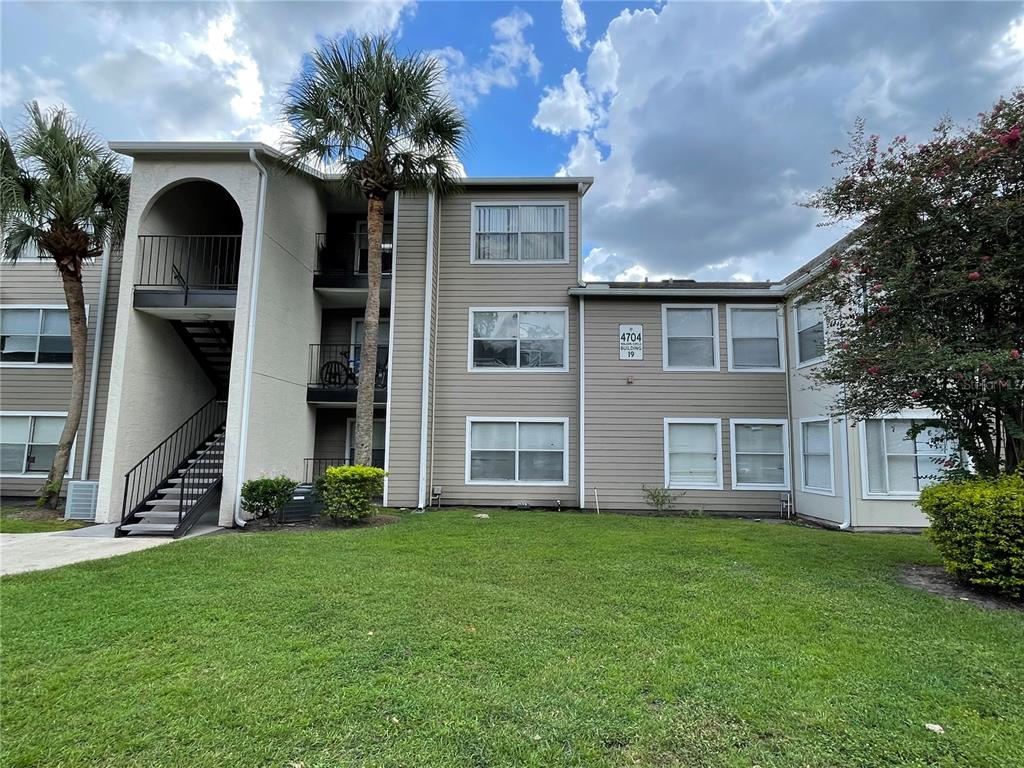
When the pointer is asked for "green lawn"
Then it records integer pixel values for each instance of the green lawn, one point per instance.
(538, 639)
(32, 520)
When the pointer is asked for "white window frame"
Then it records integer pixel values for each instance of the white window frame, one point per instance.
(564, 421)
(11, 364)
(665, 308)
(518, 369)
(831, 458)
(780, 336)
(862, 433)
(509, 204)
(720, 485)
(71, 458)
(352, 343)
(738, 486)
(796, 338)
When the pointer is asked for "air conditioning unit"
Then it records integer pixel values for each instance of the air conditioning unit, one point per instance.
(81, 501)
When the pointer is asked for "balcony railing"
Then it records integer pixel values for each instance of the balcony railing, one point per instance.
(315, 468)
(339, 366)
(189, 262)
(344, 267)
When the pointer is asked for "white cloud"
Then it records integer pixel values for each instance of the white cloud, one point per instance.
(710, 125)
(24, 84)
(603, 67)
(566, 109)
(212, 70)
(509, 57)
(574, 23)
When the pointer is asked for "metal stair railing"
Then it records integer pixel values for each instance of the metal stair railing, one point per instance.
(143, 481)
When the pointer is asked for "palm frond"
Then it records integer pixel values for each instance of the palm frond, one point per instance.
(379, 120)
(58, 177)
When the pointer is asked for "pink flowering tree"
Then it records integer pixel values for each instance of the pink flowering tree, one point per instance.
(925, 298)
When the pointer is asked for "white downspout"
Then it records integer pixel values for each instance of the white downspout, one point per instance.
(94, 376)
(844, 450)
(428, 298)
(583, 398)
(391, 340)
(254, 286)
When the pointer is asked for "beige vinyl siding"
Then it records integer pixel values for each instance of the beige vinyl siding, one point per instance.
(48, 389)
(460, 393)
(625, 421)
(407, 352)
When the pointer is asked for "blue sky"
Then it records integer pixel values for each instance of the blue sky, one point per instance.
(704, 124)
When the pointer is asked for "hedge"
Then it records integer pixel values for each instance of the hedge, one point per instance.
(978, 527)
(349, 493)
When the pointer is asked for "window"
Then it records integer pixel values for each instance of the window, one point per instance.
(362, 248)
(693, 453)
(759, 454)
(810, 333)
(899, 465)
(816, 456)
(755, 341)
(690, 337)
(521, 451)
(501, 339)
(35, 336)
(519, 233)
(377, 442)
(28, 442)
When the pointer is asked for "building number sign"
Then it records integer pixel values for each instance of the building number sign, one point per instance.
(631, 342)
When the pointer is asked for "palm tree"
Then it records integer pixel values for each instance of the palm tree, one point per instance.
(64, 195)
(386, 124)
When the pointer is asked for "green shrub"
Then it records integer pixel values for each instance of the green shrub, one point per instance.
(349, 493)
(264, 499)
(978, 527)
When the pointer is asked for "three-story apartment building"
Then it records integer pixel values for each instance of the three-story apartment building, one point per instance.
(230, 348)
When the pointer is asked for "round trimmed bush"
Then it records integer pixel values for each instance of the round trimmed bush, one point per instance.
(349, 493)
(978, 527)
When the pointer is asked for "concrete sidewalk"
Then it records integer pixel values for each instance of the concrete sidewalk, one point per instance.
(23, 552)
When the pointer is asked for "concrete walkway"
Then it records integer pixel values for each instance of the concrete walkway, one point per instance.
(22, 552)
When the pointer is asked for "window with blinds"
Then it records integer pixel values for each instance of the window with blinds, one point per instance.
(519, 233)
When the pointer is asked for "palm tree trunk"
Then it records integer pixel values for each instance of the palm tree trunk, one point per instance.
(49, 494)
(371, 323)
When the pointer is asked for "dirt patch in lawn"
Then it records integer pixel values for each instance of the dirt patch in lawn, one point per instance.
(934, 580)
(321, 524)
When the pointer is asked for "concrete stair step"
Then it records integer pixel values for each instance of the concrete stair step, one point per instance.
(149, 527)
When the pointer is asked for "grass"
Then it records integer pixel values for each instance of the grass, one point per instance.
(529, 639)
(34, 520)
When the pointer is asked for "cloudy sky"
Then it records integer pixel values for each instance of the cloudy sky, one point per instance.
(703, 123)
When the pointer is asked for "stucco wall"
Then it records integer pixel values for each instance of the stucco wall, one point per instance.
(281, 425)
(155, 383)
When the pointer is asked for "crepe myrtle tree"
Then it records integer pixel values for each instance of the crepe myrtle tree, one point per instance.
(383, 123)
(925, 299)
(64, 195)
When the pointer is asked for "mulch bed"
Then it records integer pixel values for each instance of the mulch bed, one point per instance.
(934, 580)
(320, 524)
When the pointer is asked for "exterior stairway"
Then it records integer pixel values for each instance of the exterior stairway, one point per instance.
(179, 481)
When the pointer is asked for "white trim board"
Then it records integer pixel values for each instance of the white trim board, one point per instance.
(563, 420)
(517, 369)
(70, 471)
(785, 485)
(720, 485)
(780, 335)
(499, 203)
(831, 456)
(715, 334)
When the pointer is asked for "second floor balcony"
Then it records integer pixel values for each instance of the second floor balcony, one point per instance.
(341, 260)
(179, 271)
(335, 370)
